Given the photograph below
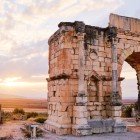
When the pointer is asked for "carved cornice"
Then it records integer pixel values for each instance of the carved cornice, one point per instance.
(60, 76)
(80, 27)
(95, 76)
(110, 78)
(65, 24)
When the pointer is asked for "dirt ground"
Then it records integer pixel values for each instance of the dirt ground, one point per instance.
(12, 129)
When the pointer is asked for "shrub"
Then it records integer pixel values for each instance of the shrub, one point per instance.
(136, 106)
(44, 115)
(31, 115)
(127, 110)
(18, 116)
(18, 111)
(7, 116)
(40, 119)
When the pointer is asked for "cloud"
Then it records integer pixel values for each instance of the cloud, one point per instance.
(24, 21)
(25, 26)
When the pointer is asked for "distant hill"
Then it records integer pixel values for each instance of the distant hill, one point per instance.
(5, 96)
(129, 101)
(10, 101)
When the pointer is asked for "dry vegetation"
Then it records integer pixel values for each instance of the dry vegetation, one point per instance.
(23, 103)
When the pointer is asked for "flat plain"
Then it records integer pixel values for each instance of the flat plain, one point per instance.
(27, 104)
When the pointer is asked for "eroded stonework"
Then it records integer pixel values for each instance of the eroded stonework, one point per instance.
(85, 63)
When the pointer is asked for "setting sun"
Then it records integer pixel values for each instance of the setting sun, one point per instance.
(11, 81)
(10, 84)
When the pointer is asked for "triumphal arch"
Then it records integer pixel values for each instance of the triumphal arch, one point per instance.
(85, 63)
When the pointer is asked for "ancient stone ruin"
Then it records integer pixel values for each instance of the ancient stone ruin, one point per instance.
(85, 63)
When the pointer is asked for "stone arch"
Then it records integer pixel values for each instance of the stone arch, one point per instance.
(132, 57)
(111, 46)
(127, 52)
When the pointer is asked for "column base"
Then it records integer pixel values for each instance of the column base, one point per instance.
(110, 125)
(101, 125)
(57, 128)
(93, 127)
(119, 126)
(81, 130)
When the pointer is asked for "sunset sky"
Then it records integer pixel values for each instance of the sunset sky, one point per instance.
(25, 26)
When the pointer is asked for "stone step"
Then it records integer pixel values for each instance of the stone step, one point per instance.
(106, 126)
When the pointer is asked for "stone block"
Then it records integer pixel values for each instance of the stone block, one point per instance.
(66, 131)
(66, 99)
(90, 103)
(119, 127)
(81, 100)
(108, 113)
(60, 113)
(97, 130)
(80, 108)
(97, 103)
(116, 113)
(64, 120)
(96, 125)
(81, 121)
(101, 125)
(99, 108)
(92, 99)
(81, 132)
(80, 114)
(95, 113)
(103, 113)
(116, 108)
(91, 108)
(108, 107)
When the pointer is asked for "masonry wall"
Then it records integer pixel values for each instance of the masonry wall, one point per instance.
(66, 109)
(97, 58)
(63, 84)
(63, 72)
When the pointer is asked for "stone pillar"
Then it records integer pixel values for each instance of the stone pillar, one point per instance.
(115, 107)
(115, 97)
(80, 113)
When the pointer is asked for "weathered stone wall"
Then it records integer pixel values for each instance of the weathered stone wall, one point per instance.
(62, 88)
(85, 63)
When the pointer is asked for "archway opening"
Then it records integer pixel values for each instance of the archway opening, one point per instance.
(129, 84)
